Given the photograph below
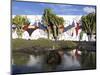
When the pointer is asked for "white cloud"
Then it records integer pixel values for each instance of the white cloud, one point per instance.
(89, 9)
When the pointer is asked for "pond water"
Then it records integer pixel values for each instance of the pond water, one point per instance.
(58, 61)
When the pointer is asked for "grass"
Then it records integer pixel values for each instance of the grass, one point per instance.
(20, 58)
(20, 43)
(67, 44)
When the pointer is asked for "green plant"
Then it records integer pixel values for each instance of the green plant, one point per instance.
(89, 24)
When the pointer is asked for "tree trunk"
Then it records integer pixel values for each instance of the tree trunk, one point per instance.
(48, 30)
(19, 32)
(90, 37)
(55, 33)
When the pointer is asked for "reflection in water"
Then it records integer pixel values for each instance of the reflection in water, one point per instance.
(70, 60)
(68, 63)
(12, 61)
(35, 61)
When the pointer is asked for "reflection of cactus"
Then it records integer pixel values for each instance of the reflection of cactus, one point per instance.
(91, 60)
(88, 59)
(53, 59)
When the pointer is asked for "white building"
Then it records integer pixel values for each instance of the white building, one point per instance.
(14, 35)
(25, 35)
(38, 33)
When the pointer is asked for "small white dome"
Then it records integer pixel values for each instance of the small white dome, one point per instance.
(25, 35)
(14, 35)
(38, 33)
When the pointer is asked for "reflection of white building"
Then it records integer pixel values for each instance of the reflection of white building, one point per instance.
(70, 29)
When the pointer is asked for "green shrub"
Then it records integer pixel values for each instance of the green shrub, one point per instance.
(67, 44)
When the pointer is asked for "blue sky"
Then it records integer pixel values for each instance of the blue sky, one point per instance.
(33, 8)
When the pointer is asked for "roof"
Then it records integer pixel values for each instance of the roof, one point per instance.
(30, 30)
(69, 27)
(42, 26)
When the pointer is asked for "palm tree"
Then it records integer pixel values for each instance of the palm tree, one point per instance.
(89, 24)
(20, 21)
